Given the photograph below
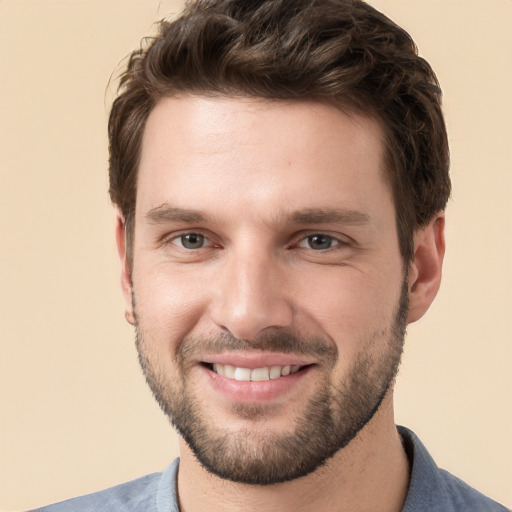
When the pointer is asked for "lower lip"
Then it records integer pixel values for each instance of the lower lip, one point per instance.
(255, 391)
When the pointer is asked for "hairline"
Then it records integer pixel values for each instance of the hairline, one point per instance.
(344, 105)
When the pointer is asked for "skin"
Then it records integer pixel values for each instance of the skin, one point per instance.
(249, 166)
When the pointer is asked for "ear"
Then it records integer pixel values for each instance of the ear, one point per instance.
(126, 278)
(426, 268)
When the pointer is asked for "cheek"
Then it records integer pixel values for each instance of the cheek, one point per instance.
(168, 305)
(352, 306)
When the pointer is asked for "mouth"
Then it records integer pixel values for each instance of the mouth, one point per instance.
(257, 378)
(254, 374)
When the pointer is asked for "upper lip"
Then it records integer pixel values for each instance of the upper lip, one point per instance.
(256, 360)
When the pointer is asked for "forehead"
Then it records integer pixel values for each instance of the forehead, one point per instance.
(252, 152)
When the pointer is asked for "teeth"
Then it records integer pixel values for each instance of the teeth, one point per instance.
(260, 374)
(275, 372)
(229, 371)
(255, 375)
(243, 374)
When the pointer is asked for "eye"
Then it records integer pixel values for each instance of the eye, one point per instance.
(190, 241)
(318, 242)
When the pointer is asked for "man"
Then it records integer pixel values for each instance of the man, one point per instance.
(280, 171)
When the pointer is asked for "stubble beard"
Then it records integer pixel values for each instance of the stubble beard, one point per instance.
(332, 418)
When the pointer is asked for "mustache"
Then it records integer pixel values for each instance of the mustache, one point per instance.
(192, 347)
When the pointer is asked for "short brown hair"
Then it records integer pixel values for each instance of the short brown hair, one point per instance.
(343, 52)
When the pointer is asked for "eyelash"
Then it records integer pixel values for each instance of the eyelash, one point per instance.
(329, 238)
(189, 234)
(335, 241)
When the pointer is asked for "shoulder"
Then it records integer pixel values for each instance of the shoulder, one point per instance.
(466, 497)
(436, 490)
(150, 493)
(135, 495)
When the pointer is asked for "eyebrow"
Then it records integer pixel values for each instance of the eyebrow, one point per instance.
(166, 213)
(327, 215)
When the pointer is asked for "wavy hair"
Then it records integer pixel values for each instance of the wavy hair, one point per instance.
(340, 52)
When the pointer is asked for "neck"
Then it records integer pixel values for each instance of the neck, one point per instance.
(371, 473)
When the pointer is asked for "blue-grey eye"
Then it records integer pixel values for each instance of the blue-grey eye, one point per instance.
(319, 242)
(191, 241)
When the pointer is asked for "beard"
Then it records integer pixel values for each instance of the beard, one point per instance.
(333, 416)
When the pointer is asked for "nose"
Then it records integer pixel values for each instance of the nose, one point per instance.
(251, 295)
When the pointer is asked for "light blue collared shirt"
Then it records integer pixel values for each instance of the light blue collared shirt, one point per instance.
(431, 490)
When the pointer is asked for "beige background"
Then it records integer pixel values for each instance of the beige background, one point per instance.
(75, 412)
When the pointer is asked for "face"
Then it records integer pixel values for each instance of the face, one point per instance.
(267, 284)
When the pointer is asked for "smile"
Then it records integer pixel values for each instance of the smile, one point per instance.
(256, 379)
(255, 374)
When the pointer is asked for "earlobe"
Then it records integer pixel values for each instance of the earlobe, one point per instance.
(426, 268)
(126, 278)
